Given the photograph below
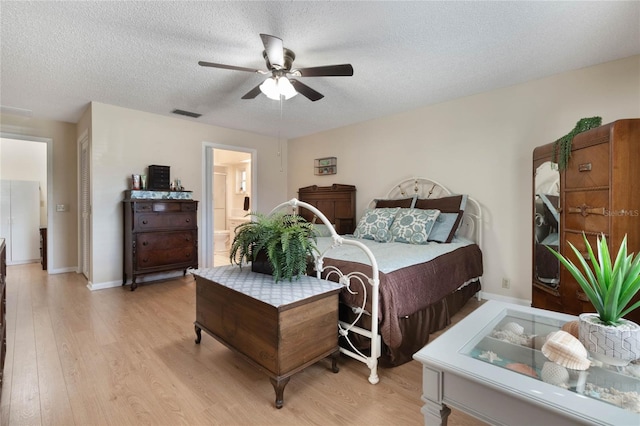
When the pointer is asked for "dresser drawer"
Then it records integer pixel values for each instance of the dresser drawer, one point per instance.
(587, 211)
(166, 256)
(165, 206)
(577, 240)
(588, 167)
(154, 221)
(163, 240)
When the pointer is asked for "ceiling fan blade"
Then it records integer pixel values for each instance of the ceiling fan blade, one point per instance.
(226, 67)
(251, 94)
(344, 70)
(275, 50)
(306, 91)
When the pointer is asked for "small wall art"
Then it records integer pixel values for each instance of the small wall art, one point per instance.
(325, 166)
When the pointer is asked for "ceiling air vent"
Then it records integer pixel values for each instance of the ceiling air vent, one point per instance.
(187, 113)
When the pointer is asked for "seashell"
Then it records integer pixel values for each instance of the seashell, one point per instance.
(633, 369)
(538, 341)
(554, 374)
(513, 327)
(564, 349)
(490, 356)
(522, 368)
(572, 327)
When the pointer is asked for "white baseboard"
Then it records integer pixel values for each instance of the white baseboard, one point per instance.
(63, 270)
(139, 280)
(506, 299)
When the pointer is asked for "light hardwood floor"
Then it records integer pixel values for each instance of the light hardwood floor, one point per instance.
(116, 357)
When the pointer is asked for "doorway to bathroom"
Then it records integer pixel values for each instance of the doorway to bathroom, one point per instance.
(229, 191)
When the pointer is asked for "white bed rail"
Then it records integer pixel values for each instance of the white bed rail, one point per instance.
(352, 282)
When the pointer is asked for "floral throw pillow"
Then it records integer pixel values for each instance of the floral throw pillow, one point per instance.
(375, 224)
(413, 225)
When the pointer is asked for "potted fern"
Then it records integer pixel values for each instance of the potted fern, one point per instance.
(280, 244)
(610, 287)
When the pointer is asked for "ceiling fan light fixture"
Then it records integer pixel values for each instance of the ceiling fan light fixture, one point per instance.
(274, 87)
(286, 88)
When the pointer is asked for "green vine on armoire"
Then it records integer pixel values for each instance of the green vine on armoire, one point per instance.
(562, 147)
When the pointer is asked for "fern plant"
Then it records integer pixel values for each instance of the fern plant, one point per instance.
(287, 239)
(609, 286)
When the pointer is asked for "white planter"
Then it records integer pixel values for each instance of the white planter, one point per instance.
(614, 345)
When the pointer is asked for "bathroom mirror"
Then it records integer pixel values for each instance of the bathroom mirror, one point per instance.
(546, 224)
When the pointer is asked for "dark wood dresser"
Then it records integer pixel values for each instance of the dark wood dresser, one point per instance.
(159, 235)
(3, 308)
(599, 194)
(337, 202)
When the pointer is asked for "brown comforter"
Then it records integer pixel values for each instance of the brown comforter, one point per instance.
(410, 289)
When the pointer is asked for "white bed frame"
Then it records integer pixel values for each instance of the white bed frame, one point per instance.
(470, 228)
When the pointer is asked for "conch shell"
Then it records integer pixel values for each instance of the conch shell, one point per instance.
(572, 327)
(514, 327)
(564, 349)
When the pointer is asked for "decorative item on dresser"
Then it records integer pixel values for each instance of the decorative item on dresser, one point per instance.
(159, 177)
(337, 202)
(598, 194)
(160, 234)
(3, 307)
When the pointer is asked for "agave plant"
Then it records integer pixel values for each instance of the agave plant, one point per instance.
(609, 286)
(287, 239)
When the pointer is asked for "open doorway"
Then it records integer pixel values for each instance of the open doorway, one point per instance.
(228, 192)
(25, 175)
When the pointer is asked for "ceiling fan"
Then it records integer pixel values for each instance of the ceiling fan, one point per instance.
(279, 60)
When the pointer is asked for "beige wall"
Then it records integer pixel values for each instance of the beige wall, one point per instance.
(480, 145)
(125, 141)
(63, 228)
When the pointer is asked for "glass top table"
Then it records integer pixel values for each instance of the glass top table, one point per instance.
(490, 365)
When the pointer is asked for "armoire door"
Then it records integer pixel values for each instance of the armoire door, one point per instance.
(20, 220)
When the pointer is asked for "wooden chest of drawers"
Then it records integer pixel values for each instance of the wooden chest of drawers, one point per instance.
(600, 194)
(159, 235)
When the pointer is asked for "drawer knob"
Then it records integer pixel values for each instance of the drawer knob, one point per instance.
(187, 255)
(146, 259)
(585, 167)
(145, 243)
(144, 222)
(188, 239)
(187, 220)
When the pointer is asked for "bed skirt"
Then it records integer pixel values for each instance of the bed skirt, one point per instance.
(415, 328)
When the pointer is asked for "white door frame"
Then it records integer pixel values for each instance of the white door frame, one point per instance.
(205, 239)
(84, 212)
(50, 206)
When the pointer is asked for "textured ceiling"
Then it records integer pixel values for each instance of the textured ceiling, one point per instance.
(58, 56)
